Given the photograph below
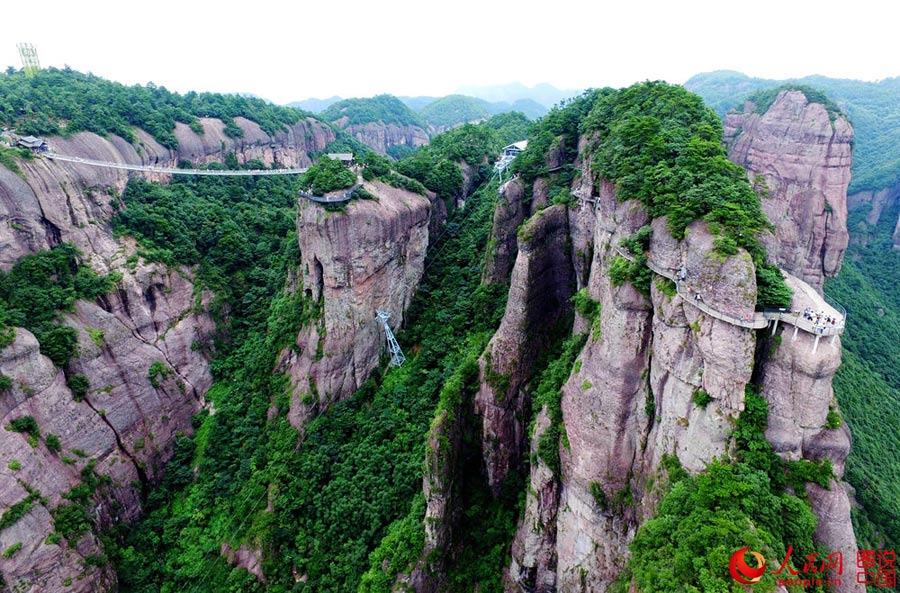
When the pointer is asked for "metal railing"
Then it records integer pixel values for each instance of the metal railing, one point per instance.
(170, 171)
(760, 319)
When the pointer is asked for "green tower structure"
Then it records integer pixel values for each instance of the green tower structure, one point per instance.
(29, 59)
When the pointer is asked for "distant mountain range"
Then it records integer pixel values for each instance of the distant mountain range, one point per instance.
(470, 103)
(543, 94)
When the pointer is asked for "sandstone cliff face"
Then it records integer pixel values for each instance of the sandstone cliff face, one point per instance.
(540, 288)
(877, 203)
(380, 136)
(508, 216)
(796, 382)
(125, 423)
(629, 400)
(367, 258)
(804, 156)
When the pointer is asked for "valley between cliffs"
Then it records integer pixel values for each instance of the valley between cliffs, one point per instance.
(557, 390)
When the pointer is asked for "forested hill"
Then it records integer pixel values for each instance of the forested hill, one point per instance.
(872, 106)
(384, 108)
(53, 103)
(457, 109)
(434, 114)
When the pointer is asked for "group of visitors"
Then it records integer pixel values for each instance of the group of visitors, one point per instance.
(819, 318)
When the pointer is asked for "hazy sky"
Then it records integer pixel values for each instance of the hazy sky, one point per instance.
(286, 51)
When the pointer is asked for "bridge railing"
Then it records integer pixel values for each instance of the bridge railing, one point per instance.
(328, 200)
(760, 319)
(836, 306)
(172, 171)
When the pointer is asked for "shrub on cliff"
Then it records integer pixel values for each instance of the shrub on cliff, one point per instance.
(660, 145)
(327, 175)
(39, 287)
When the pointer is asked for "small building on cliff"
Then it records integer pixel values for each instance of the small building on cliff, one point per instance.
(32, 143)
(346, 158)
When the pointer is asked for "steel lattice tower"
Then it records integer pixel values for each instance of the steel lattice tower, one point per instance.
(397, 356)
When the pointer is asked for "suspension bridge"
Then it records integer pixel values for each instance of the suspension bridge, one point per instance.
(171, 170)
(326, 199)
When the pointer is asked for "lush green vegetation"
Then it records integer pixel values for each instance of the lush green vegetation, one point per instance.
(41, 286)
(867, 384)
(456, 109)
(763, 98)
(18, 510)
(871, 106)
(453, 110)
(558, 131)
(704, 519)
(549, 392)
(435, 165)
(53, 102)
(9, 155)
(510, 127)
(382, 108)
(327, 175)
(335, 494)
(26, 424)
(238, 231)
(660, 145)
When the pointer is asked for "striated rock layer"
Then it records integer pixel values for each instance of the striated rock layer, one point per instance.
(799, 155)
(369, 257)
(125, 423)
(381, 137)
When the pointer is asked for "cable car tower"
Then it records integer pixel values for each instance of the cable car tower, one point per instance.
(29, 57)
(397, 357)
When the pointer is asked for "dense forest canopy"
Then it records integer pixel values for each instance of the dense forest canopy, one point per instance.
(872, 107)
(382, 108)
(868, 383)
(454, 109)
(65, 101)
(659, 144)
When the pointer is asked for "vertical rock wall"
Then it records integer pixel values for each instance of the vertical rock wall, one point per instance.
(802, 153)
(125, 423)
(369, 257)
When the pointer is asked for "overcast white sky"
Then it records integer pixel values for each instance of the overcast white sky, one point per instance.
(286, 51)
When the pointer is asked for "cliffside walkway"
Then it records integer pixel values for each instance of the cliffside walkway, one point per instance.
(761, 319)
(170, 171)
(332, 199)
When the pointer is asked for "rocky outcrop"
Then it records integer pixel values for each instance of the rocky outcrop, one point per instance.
(540, 288)
(875, 201)
(366, 258)
(69, 202)
(126, 423)
(289, 148)
(796, 382)
(896, 236)
(631, 399)
(502, 248)
(380, 136)
(533, 563)
(798, 155)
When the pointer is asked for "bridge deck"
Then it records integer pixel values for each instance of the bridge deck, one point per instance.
(171, 171)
